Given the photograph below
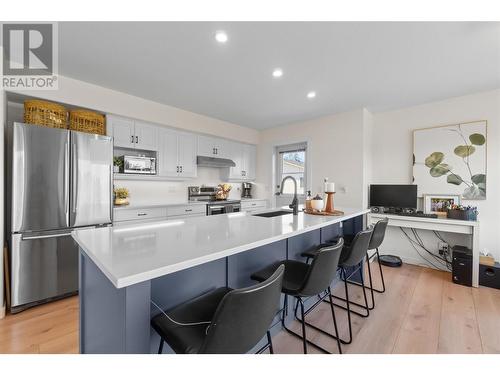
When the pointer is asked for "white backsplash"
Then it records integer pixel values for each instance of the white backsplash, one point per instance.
(159, 192)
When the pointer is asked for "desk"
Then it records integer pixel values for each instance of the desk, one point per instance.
(441, 225)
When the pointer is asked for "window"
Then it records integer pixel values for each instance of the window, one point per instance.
(292, 162)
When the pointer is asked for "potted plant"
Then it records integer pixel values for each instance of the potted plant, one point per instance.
(117, 164)
(121, 196)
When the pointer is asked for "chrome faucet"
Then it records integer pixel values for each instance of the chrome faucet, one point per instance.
(295, 202)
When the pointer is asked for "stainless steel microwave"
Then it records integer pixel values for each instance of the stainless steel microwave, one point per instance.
(139, 164)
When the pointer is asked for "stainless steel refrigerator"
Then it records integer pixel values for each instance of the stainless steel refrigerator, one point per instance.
(59, 180)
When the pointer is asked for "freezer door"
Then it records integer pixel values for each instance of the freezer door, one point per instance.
(40, 178)
(91, 179)
(43, 266)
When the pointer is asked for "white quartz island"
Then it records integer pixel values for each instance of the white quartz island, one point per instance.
(122, 268)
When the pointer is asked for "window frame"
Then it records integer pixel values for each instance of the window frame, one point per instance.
(293, 147)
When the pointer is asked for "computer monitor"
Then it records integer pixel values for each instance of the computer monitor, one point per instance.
(397, 196)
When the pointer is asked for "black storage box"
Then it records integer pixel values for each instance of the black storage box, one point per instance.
(489, 275)
(461, 265)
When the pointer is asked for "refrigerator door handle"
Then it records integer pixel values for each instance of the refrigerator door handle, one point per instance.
(37, 237)
(66, 181)
(74, 167)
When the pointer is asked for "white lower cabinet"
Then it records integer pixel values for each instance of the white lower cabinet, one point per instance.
(126, 214)
(253, 205)
(143, 215)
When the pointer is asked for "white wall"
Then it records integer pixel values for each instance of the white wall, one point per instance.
(392, 146)
(335, 150)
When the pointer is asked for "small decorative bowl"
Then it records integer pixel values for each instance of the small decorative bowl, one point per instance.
(317, 204)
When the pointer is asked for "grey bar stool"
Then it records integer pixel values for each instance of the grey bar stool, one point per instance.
(376, 240)
(351, 258)
(302, 281)
(225, 321)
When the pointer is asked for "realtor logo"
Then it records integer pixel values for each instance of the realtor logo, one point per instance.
(29, 58)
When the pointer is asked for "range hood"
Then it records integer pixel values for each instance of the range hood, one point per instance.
(206, 161)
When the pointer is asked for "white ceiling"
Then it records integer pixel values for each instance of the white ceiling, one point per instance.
(379, 66)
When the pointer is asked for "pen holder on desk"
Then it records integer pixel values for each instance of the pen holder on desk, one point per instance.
(329, 207)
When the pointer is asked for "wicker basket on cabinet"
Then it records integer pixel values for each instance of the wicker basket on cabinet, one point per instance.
(87, 121)
(44, 113)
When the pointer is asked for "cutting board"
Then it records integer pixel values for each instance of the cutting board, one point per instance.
(324, 213)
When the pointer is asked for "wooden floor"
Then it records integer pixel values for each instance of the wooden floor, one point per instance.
(421, 312)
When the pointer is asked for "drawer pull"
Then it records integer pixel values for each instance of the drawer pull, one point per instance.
(188, 210)
(141, 214)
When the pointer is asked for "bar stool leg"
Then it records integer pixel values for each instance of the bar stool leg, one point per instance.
(361, 273)
(270, 343)
(160, 349)
(304, 339)
(334, 320)
(381, 273)
(371, 282)
(344, 276)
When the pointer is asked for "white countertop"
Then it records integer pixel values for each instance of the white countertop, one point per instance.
(131, 254)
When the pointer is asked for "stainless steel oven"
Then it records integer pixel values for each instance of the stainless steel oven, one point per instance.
(214, 206)
(223, 207)
(138, 164)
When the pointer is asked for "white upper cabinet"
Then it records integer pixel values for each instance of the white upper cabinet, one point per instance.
(187, 145)
(177, 154)
(249, 161)
(243, 156)
(146, 136)
(168, 165)
(122, 130)
(212, 147)
(132, 134)
(236, 155)
(176, 151)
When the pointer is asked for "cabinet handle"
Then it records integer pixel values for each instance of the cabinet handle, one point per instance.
(132, 140)
(177, 169)
(136, 139)
(181, 168)
(217, 151)
(141, 214)
(188, 210)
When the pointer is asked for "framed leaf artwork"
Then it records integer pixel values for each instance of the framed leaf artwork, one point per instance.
(451, 159)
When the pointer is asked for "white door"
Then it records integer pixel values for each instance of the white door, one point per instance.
(122, 130)
(186, 146)
(167, 153)
(236, 155)
(249, 161)
(146, 136)
(207, 146)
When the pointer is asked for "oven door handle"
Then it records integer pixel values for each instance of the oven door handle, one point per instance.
(216, 207)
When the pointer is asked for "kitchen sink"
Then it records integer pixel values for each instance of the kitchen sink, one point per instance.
(274, 213)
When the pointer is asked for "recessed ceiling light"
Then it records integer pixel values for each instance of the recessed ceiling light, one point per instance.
(311, 94)
(277, 73)
(221, 37)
